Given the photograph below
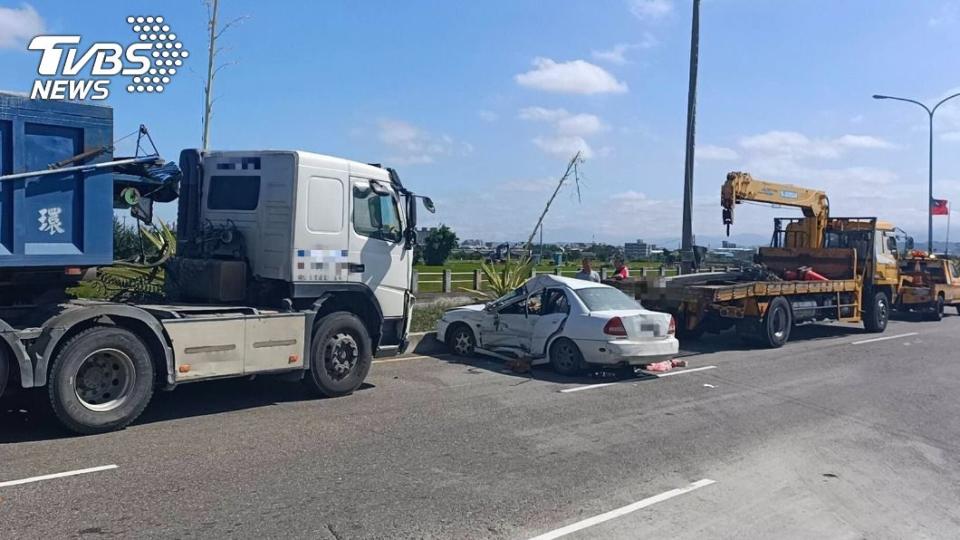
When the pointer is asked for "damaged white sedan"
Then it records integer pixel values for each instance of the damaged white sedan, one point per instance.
(569, 323)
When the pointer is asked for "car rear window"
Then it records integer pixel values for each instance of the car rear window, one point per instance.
(606, 299)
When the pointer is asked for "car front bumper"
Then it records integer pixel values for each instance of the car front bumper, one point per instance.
(634, 353)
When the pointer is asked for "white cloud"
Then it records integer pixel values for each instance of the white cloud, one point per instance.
(573, 77)
(862, 141)
(415, 146)
(564, 146)
(570, 130)
(797, 145)
(650, 9)
(17, 26)
(716, 153)
(542, 114)
(580, 124)
(488, 116)
(618, 53)
(946, 16)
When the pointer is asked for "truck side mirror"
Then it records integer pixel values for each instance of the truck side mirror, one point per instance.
(428, 204)
(908, 243)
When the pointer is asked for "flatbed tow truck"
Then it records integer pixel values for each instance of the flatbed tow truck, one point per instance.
(286, 263)
(818, 268)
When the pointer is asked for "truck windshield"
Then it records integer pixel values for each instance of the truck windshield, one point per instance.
(606, 299)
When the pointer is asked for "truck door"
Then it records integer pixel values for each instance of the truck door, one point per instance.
(377, 255)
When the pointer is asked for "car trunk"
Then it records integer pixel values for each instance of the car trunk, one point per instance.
(640, 324)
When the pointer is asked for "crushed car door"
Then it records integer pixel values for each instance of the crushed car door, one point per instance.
(553, 314)
(512, 323)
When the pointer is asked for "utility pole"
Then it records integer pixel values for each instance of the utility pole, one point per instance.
(686, 244)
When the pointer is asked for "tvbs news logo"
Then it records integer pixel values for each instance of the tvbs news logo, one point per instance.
(149, 64)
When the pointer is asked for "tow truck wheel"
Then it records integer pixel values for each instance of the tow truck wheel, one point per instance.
(101, 380)
(565, 357)
(936, 313)
(777, 323)
(876, 313)
(461, 341)
(340, 355)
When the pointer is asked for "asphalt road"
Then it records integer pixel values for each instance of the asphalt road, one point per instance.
(829, 437)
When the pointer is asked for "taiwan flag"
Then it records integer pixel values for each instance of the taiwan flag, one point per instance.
(938, 207)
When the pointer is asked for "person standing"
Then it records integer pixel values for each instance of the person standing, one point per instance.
(586, 272)
(621, 272)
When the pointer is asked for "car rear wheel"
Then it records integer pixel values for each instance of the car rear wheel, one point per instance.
(461, 341)
(936, 310)
(565, 357)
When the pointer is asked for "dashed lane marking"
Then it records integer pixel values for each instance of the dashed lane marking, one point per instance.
(56, 475)
(898, 336)
(622, 511)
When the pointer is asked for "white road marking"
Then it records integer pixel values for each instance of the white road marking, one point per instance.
(622, 511)
(587, 387)
(405, 359)
(898, 336)
(682, 371)
(57, 475)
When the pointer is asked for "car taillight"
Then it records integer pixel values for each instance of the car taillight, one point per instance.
(614, 327)
(672, 329)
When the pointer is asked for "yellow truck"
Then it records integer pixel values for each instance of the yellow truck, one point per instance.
(818, 268)
(928, 284)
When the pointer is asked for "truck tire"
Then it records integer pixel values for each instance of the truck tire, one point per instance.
(101, 380)
(4, 370)
(876, 313)
(460, 340)
(565, 357)
(777, 323)
(936, 310)
(340, 355)
(683, 333)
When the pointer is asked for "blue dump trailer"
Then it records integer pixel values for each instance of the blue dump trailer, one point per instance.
(56, 220)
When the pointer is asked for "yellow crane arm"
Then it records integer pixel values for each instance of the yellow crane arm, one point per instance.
(741, 186)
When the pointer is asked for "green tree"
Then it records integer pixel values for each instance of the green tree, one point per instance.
(126, 245)
(438, 245)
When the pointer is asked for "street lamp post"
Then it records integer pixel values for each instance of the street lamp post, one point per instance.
(930, 112)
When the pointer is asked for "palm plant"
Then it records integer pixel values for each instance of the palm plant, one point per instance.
(501, 280)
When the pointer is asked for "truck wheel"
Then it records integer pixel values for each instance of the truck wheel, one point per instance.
(936, 313)
(565, 357)
(683, 333)
(461, 341)
(340, 355)
(876, 313)
(101, 380)
(777, 323)
(4, 370)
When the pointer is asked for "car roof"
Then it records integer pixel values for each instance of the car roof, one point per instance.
(543, 281)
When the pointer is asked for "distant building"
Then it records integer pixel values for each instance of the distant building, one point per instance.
(472, 243)
(726, 245)
(637, 250)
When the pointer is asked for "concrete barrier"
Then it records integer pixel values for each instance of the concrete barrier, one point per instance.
(425, 343)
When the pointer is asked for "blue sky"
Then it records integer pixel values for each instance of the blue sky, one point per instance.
(480, 104)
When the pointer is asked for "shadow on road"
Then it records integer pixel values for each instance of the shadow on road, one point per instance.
(729, 341)
(545, 372)
(26, 416)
